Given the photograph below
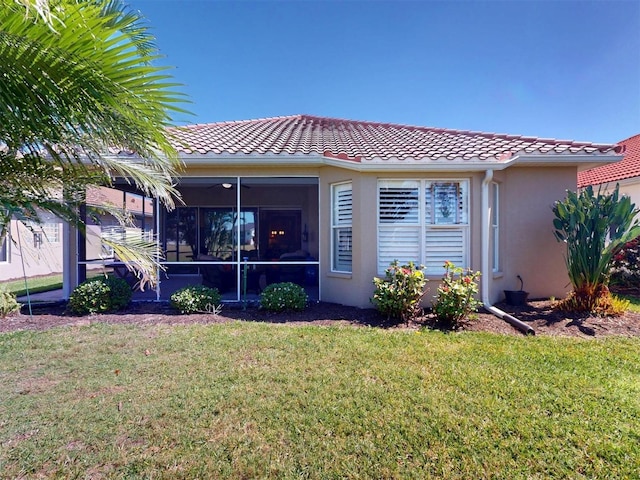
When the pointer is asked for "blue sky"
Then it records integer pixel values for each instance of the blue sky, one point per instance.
(554, 69)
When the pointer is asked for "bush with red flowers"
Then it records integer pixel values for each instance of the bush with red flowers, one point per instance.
(625, 268)
(456, 299)
(398, 294)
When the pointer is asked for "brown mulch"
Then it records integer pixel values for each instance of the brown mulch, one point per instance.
(539, 314)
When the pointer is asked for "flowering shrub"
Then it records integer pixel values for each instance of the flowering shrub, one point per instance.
(626, 264)
(279, 297)
(398, 294)
(8, 303)
(456, 300)
(99, 295)
(196, 299)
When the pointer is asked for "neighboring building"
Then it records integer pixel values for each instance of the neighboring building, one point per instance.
(37, 250)
(625, 173)
(32, 250)
(329, 203)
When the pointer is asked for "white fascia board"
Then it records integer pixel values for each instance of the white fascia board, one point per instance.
(112, 156)
(410, 165)
(584, 161)
(275, 160)
(267, 160)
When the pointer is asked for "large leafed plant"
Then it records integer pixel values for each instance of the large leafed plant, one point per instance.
(593, 227)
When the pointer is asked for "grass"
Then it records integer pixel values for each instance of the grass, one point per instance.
(39, 284)
(35, 284)
(634, 305)
(251, 400)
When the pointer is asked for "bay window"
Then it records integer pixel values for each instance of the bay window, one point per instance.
(423, 221)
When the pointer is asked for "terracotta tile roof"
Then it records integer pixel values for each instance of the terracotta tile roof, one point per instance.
(628, 167)
(361, 141)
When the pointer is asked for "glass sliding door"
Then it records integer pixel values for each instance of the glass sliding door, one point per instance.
(181, 235)
(217, 232)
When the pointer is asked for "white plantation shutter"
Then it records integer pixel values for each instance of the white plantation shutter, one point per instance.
(444, 244)
(431, 237)
(343, 206)
(445, 205)
(341, 225)
(398, 243)
(399, 219)
(399, 202)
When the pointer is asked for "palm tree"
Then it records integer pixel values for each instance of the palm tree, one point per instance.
(78, 85)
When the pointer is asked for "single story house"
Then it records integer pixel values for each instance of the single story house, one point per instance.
(626, 173)
(330, 203)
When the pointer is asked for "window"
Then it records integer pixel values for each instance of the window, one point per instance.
(46, 232)
(341, 227)
(422, 221)
(495, 225)
(51, 232)
(4, 249)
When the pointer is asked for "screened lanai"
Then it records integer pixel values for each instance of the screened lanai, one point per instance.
(237, 234)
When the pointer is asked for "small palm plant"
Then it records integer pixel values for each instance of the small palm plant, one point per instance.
(593, 227)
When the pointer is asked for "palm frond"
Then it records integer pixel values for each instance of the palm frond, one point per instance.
(74, 87)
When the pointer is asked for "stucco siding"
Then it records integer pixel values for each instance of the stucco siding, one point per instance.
(343, 288)
(529, 247)
(38, 258)
(357, 288)
(629, 187)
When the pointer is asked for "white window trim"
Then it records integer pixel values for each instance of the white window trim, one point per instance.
(495, 225)
(335, 226)
(423, 226)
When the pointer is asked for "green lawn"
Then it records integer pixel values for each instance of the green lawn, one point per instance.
(44, 283)
(35, 284)
(635, 302)
(251, 400)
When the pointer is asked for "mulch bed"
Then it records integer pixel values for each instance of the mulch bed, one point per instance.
(539, 314)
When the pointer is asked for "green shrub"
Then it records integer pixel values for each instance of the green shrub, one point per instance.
(99, 295)
(279, 297)
(626, 265)
(8, 303)
(455, 301)
(398, 294)
(196, 299)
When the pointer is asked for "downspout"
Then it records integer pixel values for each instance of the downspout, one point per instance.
(485, 268)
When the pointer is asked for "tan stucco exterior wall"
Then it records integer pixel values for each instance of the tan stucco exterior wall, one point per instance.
(357, 288)
(528, 246)
(341, 288)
